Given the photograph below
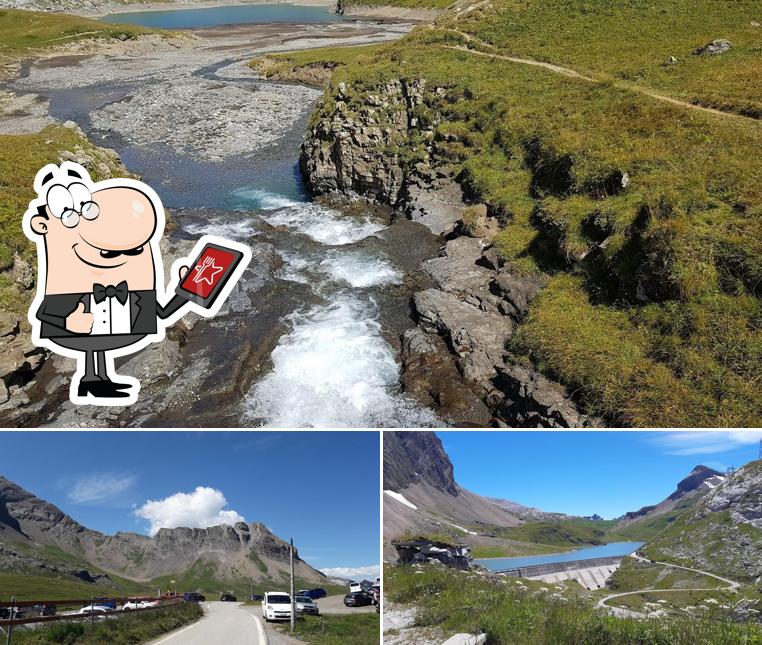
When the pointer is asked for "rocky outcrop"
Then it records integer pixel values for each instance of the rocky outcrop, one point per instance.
(383, 146)
(413, 457)
(425, 551)
(354, 148)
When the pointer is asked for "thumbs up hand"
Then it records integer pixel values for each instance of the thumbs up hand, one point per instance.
(78, 321)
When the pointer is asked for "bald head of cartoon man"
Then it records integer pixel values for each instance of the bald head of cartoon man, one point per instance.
(97, 268)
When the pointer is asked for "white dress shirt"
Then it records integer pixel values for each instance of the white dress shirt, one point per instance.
(110, 316)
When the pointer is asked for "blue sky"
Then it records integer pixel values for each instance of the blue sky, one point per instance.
(321, 488)
(582, 473)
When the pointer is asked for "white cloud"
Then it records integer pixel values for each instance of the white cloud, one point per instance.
(199, 509)
(708, 442)
(354, 573)
(99, 487)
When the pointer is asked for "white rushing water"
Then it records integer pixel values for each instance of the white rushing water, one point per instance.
(334, 368)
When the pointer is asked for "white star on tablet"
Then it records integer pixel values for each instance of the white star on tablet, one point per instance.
(207, 272)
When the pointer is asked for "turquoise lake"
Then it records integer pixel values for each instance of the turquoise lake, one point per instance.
(230, 15)
(603, 551)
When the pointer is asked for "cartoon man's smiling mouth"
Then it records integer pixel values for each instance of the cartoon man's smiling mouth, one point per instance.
(92, 264)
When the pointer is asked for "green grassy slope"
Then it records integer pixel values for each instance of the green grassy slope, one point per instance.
(559, 533)
(633, 575)
(337, 629)
(403, 4)
(652, 310)
(26, 32)
(509, 613)
(648, 528)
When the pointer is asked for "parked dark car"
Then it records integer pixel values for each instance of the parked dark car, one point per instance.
(358, 599)
(256, 596)
(228, 597)
(105, 602)
(192, 596)
(43, 610)
(315, 594)
(5, 613)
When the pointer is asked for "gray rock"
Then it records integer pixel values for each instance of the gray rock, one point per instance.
(456, 271)
(437, 207)
(22, 272)
(717, 46)
(531, 400)
(516, 293)
(9, 323)
(478, 338)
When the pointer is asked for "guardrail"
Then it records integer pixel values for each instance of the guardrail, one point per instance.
(7, 625)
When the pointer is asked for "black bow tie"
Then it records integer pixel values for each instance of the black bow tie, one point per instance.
(121, 292)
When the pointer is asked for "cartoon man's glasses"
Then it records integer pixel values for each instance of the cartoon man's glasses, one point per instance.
(70, 203)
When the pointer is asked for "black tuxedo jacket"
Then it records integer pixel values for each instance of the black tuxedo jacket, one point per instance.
(54, 309)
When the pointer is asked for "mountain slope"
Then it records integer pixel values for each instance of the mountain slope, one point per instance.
(650, 520)
(35, 534)
(722, 532)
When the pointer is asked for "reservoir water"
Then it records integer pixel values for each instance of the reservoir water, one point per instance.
(230, 15)
(605, 550)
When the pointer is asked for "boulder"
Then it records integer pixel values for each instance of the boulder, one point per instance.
(717, 46)
(531, 400)
(477, 337)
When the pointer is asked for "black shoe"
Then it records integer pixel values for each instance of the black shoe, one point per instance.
(117, 385)
(101, 390)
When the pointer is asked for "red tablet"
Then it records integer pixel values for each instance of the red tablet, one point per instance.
(209, 274)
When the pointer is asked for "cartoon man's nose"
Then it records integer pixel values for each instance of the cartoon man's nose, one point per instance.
(127, 220)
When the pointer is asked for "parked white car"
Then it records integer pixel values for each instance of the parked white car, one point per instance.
(276, 605)
(139, 604)
(95, 609)
(354, 586)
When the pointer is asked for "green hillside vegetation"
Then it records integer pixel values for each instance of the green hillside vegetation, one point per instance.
(127, 629)
(647, 528)
(404, 4)
(508, 613)
(717, 604)
(633, 575)
(715, 538)
(35, 587)
(561, 533)
(645, 214)
(28, 32)
(335, 629)
(284, 65)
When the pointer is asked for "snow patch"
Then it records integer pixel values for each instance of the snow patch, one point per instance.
(401, 499)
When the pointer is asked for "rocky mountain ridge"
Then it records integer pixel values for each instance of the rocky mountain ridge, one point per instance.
(28, 525)
(700, 480)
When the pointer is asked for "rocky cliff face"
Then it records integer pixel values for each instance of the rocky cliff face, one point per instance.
(414, 457)
(383, 146)
(723, 531)
(27, 523)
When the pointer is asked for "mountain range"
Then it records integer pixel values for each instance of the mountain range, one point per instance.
(37, 538)
(710, 519)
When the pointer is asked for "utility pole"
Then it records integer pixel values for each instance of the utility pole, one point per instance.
(293, 599)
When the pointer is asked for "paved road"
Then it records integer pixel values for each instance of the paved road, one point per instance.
(223, 622)
(629, 613)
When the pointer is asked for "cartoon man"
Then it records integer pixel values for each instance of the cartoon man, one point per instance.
(100, 288)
